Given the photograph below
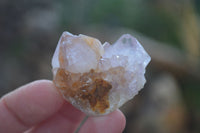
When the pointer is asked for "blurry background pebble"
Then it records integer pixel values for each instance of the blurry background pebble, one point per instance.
(169, 30)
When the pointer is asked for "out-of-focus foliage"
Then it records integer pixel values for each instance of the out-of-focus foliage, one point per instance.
(148, 17)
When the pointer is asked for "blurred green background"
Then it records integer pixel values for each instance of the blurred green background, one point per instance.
(169, 30)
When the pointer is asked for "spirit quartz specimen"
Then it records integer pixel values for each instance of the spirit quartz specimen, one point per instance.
(96, 78)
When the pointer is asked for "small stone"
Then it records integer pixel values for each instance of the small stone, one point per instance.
(96, 78)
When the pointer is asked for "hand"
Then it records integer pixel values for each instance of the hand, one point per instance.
(38, 108)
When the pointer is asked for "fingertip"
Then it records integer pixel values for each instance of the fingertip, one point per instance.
(118, 119)
(122, 120)
(111, 123)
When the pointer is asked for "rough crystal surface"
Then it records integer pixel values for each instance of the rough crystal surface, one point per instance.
(96, 78)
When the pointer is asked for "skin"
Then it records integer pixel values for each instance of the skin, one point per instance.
(37, 107)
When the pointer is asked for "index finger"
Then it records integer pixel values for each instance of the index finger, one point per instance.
(28, 105)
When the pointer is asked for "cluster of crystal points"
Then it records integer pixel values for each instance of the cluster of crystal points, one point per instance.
(96, 78)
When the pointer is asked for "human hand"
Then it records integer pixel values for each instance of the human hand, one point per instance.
(38, 108)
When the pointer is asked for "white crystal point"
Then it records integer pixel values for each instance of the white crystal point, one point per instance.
(128, 53)
(79, 53)
(95, 78)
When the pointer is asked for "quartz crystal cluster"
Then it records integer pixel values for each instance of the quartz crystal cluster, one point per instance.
(96, 78)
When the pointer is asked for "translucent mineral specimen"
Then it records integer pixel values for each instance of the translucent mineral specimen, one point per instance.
(96, 78)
